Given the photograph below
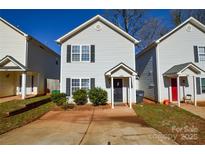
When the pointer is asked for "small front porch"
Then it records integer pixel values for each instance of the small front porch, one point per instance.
(16, 80)
(122, 81)
(183, 83)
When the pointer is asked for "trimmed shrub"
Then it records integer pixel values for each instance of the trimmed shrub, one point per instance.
(98, 96)
(80, 97)
(66, 106)
(59, 99)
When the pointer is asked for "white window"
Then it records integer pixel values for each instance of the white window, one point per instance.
(75, 85)
(203, 85)
(85, 53)
(75, 53)
(85, 84)
(80, 84)
(81, 53)
(201, 53)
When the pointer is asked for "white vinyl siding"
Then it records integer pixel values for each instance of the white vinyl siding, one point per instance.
(110, 49)
(12, 43)
(178, 49)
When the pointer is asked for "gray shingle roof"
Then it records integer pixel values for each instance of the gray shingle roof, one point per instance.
(12, 59)
(177, 68)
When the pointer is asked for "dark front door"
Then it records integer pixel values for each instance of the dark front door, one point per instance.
(174, 89)
(118, 90)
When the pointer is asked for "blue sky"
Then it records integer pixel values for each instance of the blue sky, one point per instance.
(49, 25)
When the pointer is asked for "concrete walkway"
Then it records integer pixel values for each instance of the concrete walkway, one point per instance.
(200, 111)
(93, 126)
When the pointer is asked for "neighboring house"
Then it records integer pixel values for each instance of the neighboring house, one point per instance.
(99, 54)
(172, 68)
(25, 63)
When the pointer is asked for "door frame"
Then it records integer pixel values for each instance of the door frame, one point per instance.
(176, 90)
(121, 89)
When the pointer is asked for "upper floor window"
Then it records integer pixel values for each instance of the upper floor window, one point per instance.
(85, 53)
(75, 53)
(80, 53)
(201, 53)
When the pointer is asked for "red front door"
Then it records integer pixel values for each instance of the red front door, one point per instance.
(174, 89)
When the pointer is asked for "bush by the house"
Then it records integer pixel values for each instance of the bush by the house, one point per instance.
(59, 99)
(80, 97)
(66, 106)
(98, 96)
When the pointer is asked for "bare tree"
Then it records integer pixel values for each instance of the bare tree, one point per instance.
(129, 20)
(179, 16)
(176, 16)
(137, 24)
(153, 29)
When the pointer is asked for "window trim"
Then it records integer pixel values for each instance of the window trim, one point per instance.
(80, 83)
(89, 45)
(201, 85)
(198, 53)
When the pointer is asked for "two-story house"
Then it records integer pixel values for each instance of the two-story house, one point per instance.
(172, 67)
(25, 63)
(99, 54)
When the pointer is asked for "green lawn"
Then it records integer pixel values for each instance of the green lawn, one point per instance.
(182, 126)
(8, 123)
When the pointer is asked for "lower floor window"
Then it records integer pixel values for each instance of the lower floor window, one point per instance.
(75, 85)
(85, 84)
(203, 85)
(80, 84)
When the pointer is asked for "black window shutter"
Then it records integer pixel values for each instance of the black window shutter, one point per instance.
(198, 86)
(68, 53)
(92, 53)
(196, 57)
(68, 86)
(92, 83)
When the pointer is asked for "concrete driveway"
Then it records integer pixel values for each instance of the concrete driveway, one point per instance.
(92, 126)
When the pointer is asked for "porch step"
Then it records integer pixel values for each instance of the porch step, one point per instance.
(121, 104)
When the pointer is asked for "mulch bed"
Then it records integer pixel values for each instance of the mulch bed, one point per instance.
(86, 107)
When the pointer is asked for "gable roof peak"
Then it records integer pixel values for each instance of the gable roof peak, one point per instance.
(191, 20)
(13, 27)
(90, 22)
